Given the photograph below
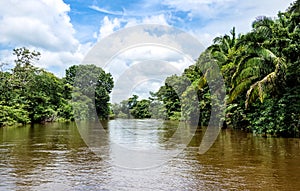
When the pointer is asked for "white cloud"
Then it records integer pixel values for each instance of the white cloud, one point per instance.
(7, 59)
(145, 52)
(142, 54)
(58, 62)
(99, 9)
(208, 9)
(222, 16)
(155, 19)
(45, 25)
(204, 8)
(240, 15)
(143, 69)
(108, 27)
(42, 25)
(148, 52)
(160, 19)
(144, 87)
(142, 77)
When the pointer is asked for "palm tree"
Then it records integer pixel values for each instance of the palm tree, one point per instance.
(259, 68)
(295, 7)
(224, 51)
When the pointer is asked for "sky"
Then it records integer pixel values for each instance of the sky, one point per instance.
(64, 31)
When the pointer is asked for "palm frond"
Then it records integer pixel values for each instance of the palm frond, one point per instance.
(248, 72)
(240, 88)
(247, 62)
(258, 88)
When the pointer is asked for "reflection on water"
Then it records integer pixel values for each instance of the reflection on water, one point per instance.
(54, 157)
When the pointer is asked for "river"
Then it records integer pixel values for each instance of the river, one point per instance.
(55, 157)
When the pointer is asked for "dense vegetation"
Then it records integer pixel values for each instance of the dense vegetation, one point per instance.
(139, 109)
(260, 70)
(262, 76)
(33, 95)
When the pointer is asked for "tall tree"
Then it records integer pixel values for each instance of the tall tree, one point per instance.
(259, 69)
(92, 83)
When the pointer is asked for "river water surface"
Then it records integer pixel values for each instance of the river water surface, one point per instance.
(54, 157)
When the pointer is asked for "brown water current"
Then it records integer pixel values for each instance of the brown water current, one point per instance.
(54, 157)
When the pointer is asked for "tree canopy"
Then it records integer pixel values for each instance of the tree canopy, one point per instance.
(33, 95)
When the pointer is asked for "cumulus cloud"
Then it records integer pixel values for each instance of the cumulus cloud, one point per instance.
(138, 55)
(142, 77)
(108, 26)
(160, 19)
(146, 53)
(142, 69)
(42, 25)
(45, 26)
(220, 16)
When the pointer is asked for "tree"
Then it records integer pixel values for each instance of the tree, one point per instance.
(225, 51)
(92, 83)
(46, 97)
(170, 97)
(157, 108)
(141, 110)
(260, 70)
(132, 101)
(30, 94)
(24, 70)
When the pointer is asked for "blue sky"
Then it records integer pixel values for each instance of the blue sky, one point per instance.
(65, 30)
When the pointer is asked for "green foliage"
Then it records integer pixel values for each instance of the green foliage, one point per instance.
(266, 77)
(92, 85)
(260, 69)
(169, 95)
(82, 106)
(122, 110)
(176, 116)
(13, 115)
(278, 117)
(33, 95)
(141, 110)
(30, 94)
(157, 109)
(262, 76)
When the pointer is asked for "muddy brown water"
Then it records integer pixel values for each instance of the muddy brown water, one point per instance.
(54, 157)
